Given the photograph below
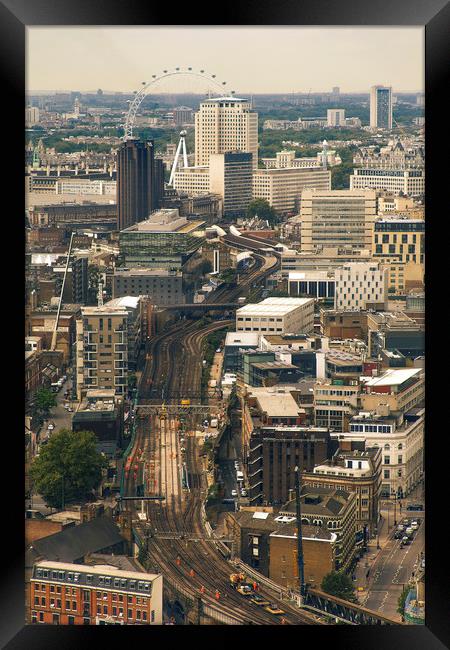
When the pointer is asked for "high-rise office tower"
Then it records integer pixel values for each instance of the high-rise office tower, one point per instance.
(225, 124)
(337, 219)
(230, 175)
(139, 182)
(381, 107)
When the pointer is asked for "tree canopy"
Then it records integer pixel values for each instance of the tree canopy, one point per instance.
(340, 585)
(263, 209)
(45, 400)
(68, 467)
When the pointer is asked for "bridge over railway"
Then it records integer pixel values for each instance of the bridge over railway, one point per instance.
(201, 306)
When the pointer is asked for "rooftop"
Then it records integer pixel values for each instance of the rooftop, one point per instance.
(279, 405)
(393, 377)
(273, 306)
(241, 339)
(97, 569)
(74, 543)
(144, 272)
(320, 501)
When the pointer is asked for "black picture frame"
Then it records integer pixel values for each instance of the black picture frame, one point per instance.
(434, 15)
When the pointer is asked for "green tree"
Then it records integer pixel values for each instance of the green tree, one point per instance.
(263, 209)
(401, 600)
(68, 468)
(340, 585)
(44, 401)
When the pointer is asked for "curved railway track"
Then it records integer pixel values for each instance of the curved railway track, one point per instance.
(198, 567)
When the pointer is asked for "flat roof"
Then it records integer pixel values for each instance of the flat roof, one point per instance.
(279, 405)
(302, 275)
(144, 272)
(242, 338)
(124, 301)
(394, 376)
(273, 306)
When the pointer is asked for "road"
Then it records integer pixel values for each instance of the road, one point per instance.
(391, 569)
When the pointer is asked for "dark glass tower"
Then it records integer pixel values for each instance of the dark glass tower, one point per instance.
(138, 192)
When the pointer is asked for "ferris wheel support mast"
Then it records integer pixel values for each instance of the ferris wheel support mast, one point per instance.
(181, 145)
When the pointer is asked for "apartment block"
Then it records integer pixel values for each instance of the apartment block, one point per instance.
(108, 343)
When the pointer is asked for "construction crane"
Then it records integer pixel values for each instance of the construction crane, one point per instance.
(55, 331)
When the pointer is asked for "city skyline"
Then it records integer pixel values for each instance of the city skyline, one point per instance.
(107, 62)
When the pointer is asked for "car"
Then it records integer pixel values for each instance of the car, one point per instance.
(415, 506)
(244, 493)
(70, 410)
(259, 600)
(183, 449)
(398, 534)
(51, 427)
(274, 609)
(234, 493)
(422, 564)
(218, 350)
(66, 405)
(414, 525)
(405, 541)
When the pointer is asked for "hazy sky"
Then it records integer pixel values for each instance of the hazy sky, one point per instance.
(249, 59)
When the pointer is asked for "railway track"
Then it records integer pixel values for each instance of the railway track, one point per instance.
(197, 567)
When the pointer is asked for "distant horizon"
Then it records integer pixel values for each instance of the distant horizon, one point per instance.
(125, 92)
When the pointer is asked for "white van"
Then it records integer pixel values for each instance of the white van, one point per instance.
(239, 476)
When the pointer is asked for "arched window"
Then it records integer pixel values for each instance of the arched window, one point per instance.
(387, 447)
(400, 446)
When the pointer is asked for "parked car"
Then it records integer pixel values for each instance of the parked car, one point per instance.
(414, 525)
(405, 541)
(244, 493)
(398, 534)
(234, 493)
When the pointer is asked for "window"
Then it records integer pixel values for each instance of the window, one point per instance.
(86, 621)
(387, 460)
(152, 617)
(71, 620)
(144, 616)
(386, 473)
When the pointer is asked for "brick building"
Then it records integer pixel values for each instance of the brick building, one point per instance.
(334, 510)
(73, 594)
(275, 451)
(268, 542)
